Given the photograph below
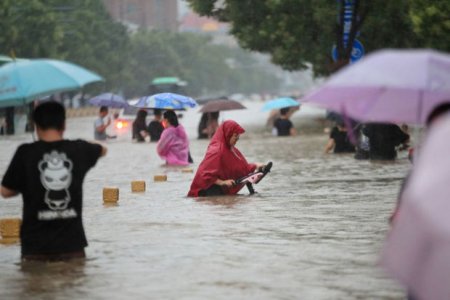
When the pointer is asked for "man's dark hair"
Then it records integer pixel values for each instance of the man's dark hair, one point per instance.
(284, 111)
(103, 109)
(50, 115)
(157, 112)
(172, 117)
(437, 111)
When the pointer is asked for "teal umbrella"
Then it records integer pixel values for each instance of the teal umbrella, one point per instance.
(6, 59)
(23, 81)
(280, 103)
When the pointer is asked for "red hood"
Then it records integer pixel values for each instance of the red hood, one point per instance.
(221, 161)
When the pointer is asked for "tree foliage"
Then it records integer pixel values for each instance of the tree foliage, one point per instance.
(84, 33)
(200, 63)
(431, 23)
(92, 39)
(28, 29)
(298, 32)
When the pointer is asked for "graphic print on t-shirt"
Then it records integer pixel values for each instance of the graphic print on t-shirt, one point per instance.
(56, 177)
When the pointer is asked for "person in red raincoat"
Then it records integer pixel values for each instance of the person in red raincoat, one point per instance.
(223, 163)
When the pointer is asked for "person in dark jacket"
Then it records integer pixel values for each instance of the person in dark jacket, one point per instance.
(339, 141)
(283, 126)
(383, 138)
(155, 127)
(140, 127)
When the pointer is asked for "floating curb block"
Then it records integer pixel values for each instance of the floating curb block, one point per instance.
(10, 230)
(138, 186)
(160, 178)
(110, 194)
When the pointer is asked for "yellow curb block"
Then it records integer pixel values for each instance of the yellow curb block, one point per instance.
(138, 186)
(160, 178)
(110, 194)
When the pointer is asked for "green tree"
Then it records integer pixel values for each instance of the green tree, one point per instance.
(28, 29)
(300, 32)
(150, 56)
(194, 59)
(92, 39)
(83, 32)
(431, 23)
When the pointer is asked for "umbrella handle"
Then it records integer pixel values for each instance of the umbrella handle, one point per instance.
(250, 188)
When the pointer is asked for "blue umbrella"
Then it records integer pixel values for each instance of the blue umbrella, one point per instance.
(280, 103)
(23, 81)
(109, 100)
(166, 101)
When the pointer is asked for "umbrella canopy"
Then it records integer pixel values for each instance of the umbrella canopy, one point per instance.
(400, 86)
(24, 81)
(280, 103)
(417, 249)
(220, 105)
(166, 101)
(109, 100)
(202, 101)
(6, 59)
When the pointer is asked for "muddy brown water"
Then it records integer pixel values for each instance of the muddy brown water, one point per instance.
(314, 230)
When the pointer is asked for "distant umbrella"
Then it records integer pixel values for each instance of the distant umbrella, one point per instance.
(221, 105)
(166, 101)
(202, 101)
(280, 103)
(109, 100)
(24, 81)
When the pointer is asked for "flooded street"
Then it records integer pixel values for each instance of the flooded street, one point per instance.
(313, 231)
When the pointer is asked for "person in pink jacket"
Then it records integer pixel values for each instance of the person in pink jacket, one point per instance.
(173, 146)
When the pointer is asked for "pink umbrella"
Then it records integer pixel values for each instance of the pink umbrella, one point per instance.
(401, 86)
(417, 250)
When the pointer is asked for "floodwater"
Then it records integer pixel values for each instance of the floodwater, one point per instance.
(314, 230)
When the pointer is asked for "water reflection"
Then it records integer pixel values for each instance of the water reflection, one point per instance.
(226, 201)
(53, 280)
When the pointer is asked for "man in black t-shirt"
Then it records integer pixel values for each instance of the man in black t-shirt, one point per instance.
(49, 174)
(155, 128)
(283, 125)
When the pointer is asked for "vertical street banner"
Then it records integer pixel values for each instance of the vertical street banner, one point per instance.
(358, 48)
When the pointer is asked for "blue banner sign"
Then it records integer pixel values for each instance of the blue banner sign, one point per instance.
(347, 20)
(358, 48)
(358, 52)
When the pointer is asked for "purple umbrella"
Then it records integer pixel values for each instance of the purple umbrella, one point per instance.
(400, 86)
(417, 250)
(109, 100)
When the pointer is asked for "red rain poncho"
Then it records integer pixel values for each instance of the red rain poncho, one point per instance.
(222, 161)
